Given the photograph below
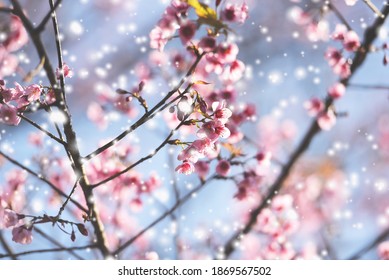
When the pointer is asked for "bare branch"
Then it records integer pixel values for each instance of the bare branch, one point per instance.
(339, 15)
(6, 10)
(43, 179)
(55, 242)
(179, 203)
(149, 156)
(6, 247)
(46, 19)
(148, 116)
(2, 256)
(370, 245)
(42, 129)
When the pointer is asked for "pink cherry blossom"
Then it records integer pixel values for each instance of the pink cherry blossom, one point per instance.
(17, 36)
(342, 68)
(202, 168)
(186, 168)
(383, 250)
(207, 43)
(33, 92)
(351, 41)
(326, 120)
(97, 115)
(227, 52)
(213, 64)
(187, 31)
(22, 235)
(8, 63)
(36, 139)
(221, 113)
(153, 256)
(337, 90)
(223, 168)
(159, 37)
(318, 31)
(9, 114)
(333, 56)
(314, 106)
(190, 154)
(177, 8)
(213, 130)
(234, 71)
(66, 71)
(299, 16)
(235, 13)
(340, 32)
(10, 218)
(263, 157)
(7, 94)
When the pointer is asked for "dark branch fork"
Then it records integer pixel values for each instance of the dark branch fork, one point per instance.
(148, 115)
(360, 56)
(70, 144)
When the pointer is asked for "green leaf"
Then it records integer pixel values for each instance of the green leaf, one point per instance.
(202, 10)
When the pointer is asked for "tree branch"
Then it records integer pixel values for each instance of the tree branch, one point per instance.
(46, 19)
(6, 247)
(55, 242)
(370, 245)
(2, 256)
(359, 58)
(148, 116)
(179, 203)
(149, 156)
(52, 136)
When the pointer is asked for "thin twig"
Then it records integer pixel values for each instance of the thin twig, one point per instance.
(43, 179)
(148, 116)
(374, 8)
(339, 15)
(6, 247)
(149, 156)
(2, 256)
(183, 200)
(73, 150)
(55, 242)
(46, 19)
(6, 10)
(377, 87)
(52, 136)
(67, 199)
(370, 245)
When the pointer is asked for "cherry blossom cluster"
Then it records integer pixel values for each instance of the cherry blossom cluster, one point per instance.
(279, 221)
(15, 100)
(175, 18)
(326, 117)
(14, 38)
(131, 183)
(22, 232)
(350, 43)
(99, 111)
(210, 131)
(12, 199)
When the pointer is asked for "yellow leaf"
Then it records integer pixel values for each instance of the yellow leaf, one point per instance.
(235, 151)
(202, 10)
(200, 82)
